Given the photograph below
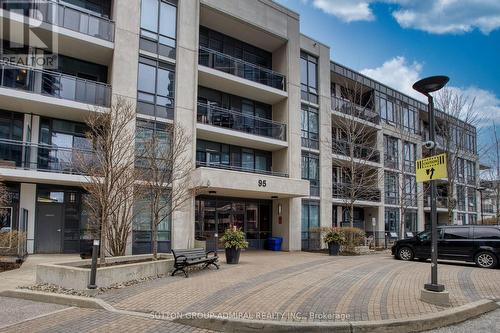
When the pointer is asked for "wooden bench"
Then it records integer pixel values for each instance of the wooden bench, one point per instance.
(191, 257)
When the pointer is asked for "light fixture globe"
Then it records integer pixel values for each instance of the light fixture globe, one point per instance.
(431, 84)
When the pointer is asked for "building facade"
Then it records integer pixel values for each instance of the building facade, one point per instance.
(271, 119)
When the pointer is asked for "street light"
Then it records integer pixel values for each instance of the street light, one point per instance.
(427, 86)
(480, 189)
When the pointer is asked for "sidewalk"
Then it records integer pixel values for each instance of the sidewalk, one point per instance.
(25, 275)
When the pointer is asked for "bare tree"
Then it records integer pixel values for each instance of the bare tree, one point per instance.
(492, 175)
(110, 175)
(455, 124)
(167, 167)
(355, 140)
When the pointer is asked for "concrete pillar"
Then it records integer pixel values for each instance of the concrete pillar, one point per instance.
(27, 200)
(186, 90)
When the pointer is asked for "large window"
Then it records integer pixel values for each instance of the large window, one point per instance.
(155, 88)
(309, 77)
(11, 129)
(391, 155)
(460, 166)
(387, 109)
(144, 133)
(310, 127)
(158, 26)
(310, 221)
(410, 190)
(310, 171)
(411, 221)
(392, 220)
(409, 118)
(220, 155)
(471, 199)
(409, 151)
(471, 172)
(142, 226)
(391, 188)
(461, 197)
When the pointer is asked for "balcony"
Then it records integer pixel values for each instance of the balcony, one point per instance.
(240, 169)
(41, 157)
(441, 202)
(50, 93)
(362, 152)
(347, 107)
(237, 121)
(65, 15)
(241, 68)
(350, 192)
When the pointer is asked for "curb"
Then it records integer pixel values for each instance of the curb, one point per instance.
(414, 324)
(69, 300)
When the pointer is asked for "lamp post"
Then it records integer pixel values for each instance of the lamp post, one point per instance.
(480, 189)
(427, 86)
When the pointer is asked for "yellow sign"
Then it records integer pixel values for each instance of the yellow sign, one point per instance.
(431, 168)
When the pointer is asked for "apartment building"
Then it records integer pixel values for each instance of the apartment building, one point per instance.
(263, 104)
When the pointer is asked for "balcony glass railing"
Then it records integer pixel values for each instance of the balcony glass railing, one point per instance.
(241, 68)
(356, 192)
(54, 84)
(441, 202)
(347, 107)
(217, 116)
(359, 151)
(64, 15)
(239, 168)
(33, 156)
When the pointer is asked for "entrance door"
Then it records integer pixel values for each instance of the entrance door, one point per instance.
(49, 224)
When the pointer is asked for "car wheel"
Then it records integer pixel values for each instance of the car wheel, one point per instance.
(405, 253)
(486, 260)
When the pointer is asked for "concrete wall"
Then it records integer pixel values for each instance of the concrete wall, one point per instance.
(27, 201)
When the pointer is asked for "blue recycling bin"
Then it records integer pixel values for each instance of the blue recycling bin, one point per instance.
(274, 243)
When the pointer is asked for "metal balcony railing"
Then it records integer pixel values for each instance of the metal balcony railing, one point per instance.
(347, 107)
(359, 151)
(356, 192)
(244, 69)
(64, 15)
(238, 168)
(54, 84)
(217, 116)
(41, 157)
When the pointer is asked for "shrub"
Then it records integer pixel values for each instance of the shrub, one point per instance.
(234, 238)
(334, 235)
(353, 237)
(9, 242)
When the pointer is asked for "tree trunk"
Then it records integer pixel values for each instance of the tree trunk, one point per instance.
(351, 216)
(102, 242)
(155, 236)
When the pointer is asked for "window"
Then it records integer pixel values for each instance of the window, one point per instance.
(471, 199)
(461, 197)
(456, 233)
(392, 220)
(460, 169)
(310, 221)
(411, 221)
(391, 188)
(309, 77)
(310, 171)
(11, 129)
(409, 152)
(471, 172)
(486, 233)
(410, 190)
(158, 27)
(310, 127)
(410, 118)
(155, 88)
(387, 109)
(472, 219)
(391, 152)
(142, 227)
(145, 130)
(461, 219)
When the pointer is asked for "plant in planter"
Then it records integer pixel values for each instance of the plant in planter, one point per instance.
(234, 241)
(334, 237)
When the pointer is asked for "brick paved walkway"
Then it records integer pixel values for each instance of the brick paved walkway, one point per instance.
(289, 286)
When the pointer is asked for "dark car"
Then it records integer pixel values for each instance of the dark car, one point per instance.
(472, 243)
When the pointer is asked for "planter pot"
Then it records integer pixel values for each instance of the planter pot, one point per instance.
(232, 256)
(333, 248)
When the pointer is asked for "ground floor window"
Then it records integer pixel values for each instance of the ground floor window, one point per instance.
(213, 215)
(411, 221)
(472, 219)
(358, 219)
(142, 226)
(310, 221)
(392, 220)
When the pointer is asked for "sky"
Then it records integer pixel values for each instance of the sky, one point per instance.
(398, 42)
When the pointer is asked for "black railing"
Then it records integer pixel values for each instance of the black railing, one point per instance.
(238, 168)
(359, 151)
(355, 192)
(64, 15)
(244, 69)
(33, 156)
(54, 84)
(347, 107)
(217, 116)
